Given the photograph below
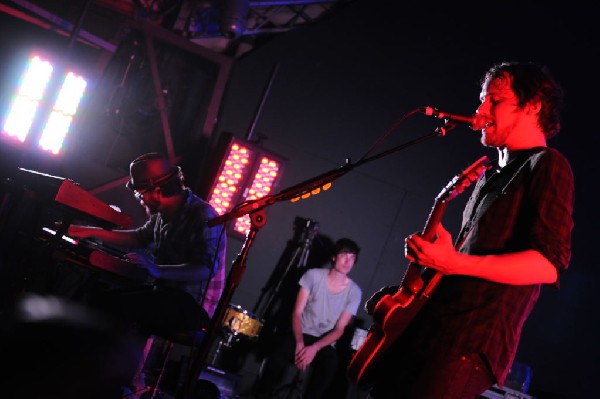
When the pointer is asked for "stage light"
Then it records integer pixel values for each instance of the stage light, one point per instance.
(264, 179)
(247, 172)
(312, 192)
(28, 98)
(63, 113)
(28, 105)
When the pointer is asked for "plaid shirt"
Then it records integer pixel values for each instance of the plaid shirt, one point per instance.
(187, 239)
(526, 205)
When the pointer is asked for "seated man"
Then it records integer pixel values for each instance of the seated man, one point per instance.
(326, 302)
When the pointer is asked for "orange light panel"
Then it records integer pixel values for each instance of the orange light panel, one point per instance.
(264, 179)
(246, 173)
(230, 178)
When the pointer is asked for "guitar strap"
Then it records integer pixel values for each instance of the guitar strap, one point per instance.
(487, 190)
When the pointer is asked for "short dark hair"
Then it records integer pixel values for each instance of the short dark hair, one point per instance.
(346, 245)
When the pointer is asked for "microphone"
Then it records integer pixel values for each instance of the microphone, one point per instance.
(475, 122)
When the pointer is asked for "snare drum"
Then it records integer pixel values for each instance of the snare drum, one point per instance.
(240, 321)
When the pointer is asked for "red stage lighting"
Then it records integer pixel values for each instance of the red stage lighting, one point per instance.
(247, 172)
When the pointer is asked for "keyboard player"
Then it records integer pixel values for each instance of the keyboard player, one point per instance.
(185, 257)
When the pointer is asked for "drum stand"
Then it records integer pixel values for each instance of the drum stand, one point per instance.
(224, 344)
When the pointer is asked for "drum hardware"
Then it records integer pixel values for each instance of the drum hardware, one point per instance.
(224, 343)
(238, 324)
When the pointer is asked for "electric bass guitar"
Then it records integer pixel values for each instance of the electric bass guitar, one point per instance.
(394, 312)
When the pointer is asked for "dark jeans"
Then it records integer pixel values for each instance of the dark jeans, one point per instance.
(163, 312)
(323, 368)
(463, 377)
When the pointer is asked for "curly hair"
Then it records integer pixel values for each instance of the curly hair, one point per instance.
(533, 82)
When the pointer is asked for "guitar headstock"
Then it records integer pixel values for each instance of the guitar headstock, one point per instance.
(460, 182)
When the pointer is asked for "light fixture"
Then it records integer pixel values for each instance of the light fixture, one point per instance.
(247, 172)
(30, 108)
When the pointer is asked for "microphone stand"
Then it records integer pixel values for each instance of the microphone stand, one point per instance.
(258, 219)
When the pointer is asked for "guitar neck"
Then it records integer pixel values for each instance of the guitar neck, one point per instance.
(412, 279)
(435, 217)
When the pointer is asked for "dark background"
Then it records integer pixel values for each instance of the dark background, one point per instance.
(343, 82)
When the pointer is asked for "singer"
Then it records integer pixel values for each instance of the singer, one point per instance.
(515, 239)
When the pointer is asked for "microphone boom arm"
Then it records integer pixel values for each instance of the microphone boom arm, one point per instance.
(258, 220)
(287, 194)
(313, 183)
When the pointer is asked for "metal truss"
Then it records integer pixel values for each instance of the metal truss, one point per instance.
(235, 18)
(281, 16)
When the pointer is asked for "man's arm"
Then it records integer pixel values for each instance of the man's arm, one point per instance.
(306, 354)
(334, 334)
(301, 300)
(188, 272)
(128, 239)
(196, 271)
(517, 268)
(122, 238)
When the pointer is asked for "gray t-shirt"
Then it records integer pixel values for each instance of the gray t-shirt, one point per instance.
(323, 307)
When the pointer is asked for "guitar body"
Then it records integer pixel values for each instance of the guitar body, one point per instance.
(396, 317)
(393, 313)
